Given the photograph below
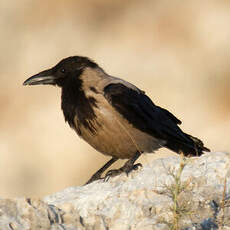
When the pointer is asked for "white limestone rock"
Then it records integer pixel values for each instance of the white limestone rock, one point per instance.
(143, 200)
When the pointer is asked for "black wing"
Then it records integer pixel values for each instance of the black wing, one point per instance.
(143, 114)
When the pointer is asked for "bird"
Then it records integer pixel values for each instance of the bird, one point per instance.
(114, 116)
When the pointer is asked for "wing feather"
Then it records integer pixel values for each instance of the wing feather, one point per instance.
(140, 111)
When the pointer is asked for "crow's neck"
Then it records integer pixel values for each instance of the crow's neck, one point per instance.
(77, 108)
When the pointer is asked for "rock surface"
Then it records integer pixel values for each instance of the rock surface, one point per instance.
(169, 193)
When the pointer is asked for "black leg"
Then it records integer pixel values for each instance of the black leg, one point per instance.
(97, 175)
(127, 167)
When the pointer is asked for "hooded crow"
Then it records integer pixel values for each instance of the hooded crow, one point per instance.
(113, 115)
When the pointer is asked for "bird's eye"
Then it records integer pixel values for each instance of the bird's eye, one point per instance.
(63, 70)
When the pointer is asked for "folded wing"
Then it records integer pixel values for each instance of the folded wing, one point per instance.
(143, 114)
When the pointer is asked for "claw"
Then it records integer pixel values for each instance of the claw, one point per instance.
(97, 175)
(137, 166)
(127, 167)
(112, 173)
(93, 178)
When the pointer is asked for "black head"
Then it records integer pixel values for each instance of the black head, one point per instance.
(71, 66)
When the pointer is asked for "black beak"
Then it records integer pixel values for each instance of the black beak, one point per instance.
(45, 77)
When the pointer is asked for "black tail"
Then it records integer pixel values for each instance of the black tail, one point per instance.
(191, 146)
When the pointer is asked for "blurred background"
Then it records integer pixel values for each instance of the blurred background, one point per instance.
(176, 51)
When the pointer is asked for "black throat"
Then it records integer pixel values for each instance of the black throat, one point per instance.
(77, 108)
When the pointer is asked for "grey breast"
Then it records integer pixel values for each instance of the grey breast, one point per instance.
(113, 135)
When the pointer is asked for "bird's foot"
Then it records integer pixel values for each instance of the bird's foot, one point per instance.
(96, 176)
(127, 168)
(137, 166)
